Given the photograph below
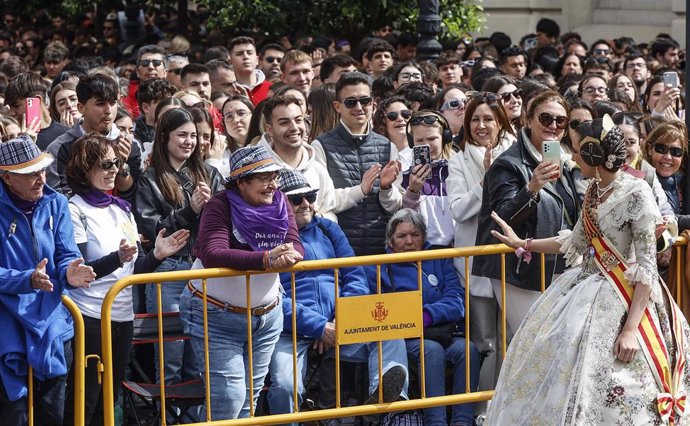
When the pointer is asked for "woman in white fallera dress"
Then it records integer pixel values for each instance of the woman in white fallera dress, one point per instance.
(579, 356)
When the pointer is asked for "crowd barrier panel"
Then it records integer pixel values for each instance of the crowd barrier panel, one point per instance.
(334, 264)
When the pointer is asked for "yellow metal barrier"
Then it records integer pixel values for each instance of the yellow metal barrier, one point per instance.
(338, 411)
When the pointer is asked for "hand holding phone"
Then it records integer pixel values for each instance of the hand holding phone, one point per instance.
(422, 156)
(551, 153)
(32, 115)
(671, 79)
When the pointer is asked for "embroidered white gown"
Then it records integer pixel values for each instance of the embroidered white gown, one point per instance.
(560, 368)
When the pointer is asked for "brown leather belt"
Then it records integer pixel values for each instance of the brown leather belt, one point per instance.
(260, 310)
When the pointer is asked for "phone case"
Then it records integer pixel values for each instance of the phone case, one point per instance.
(671, 77)
(551, 152)
(33, 110)
(421, 154)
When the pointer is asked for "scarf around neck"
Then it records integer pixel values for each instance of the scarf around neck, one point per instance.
(101, 199)
(262, 227)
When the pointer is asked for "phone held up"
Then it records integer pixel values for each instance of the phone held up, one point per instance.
(551, 152)
(422, 155)
(671, 79)
(33, 112)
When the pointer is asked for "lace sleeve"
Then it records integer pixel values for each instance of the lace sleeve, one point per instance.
(644, 214)
(573, 244)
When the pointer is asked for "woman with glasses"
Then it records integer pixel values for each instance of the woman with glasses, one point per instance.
(107, 236)
(171, 194)
(537, 198)
(485, 139)
(390, 120)
(248, 226)
(511, 100)
(451, 103)
(668, 144)
(237, 113)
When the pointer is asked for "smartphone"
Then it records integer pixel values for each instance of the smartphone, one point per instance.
(421, 155)
(551, 152)
(671, 78)
(33, 111)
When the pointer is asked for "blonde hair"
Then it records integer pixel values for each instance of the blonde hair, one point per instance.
(179, 44)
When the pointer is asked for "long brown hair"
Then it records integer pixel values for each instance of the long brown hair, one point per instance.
(166, 176)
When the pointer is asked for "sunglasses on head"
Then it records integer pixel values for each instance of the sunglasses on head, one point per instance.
(505, 97)
(393, 115)
(426, 119)
(453, 104)
(576, 122)
(351, 102)
(546, 119)
(146, 62)
(662, 149)
(484, 96)
(108, 164)
(297, 198)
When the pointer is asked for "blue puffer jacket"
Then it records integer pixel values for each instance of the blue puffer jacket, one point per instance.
(33, 323)
(322, 239)
(442, 296)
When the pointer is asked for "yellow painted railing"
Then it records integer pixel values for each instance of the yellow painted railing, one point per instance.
(338, 411)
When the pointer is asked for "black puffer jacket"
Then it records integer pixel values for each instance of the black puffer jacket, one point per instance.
(153, 212)
(505, 192)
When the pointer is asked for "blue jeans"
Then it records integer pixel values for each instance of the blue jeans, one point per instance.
(227, 350)
(180, 362)
(435, 360)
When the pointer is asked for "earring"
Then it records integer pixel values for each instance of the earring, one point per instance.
(597, 177)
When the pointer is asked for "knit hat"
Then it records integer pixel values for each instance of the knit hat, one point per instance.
(22, 156)
(293, 182)
(251, 160)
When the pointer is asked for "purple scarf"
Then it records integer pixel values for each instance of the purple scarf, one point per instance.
(262, 227)
(101, 199)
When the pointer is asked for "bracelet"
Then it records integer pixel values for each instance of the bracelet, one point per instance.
(526, 252)
(532, 195)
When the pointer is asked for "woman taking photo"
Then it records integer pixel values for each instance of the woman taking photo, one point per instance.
(538, 198)
(249, 226)
(390, 120)
(171, 194)
(482, 144)
(107, 236)
(589, 326)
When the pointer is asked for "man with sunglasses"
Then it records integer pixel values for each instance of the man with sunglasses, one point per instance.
(284, 140)
(363, 166)
(270, 57)
(324, 239)
(151, 63)
(175, 65)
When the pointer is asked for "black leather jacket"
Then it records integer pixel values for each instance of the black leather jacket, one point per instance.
(153, 212)
(505, 192)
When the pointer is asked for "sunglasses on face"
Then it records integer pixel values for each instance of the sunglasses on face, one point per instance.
(426, 119)
(453, 104)
(297, 199)
(146, 62)
(407, 76)
(505, 97)
(273, 59)
(576, 122)
(393, 115)
(547, 119)
(351, 102)
(108, 164)
(662, 149)
(601, 51)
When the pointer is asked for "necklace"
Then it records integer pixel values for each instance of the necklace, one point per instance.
(603, 191)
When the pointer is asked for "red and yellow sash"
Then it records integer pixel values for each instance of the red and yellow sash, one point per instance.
(612, 264)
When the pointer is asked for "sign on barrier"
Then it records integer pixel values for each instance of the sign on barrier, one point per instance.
(379, 317)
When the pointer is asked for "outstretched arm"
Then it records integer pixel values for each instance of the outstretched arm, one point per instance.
(510, 238)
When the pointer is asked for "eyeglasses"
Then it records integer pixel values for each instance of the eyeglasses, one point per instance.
(632, 65)
(239, 115)
(297, 199)
(407, 76)
(576, 122)
(630, 142)
(602, 51)
(592, 90)
(266, 178)
(146, 62)
(663, 149)
(393, 115)
(505, 97)
(273, 59)
(453, 104)
(426, 119)
(547, 119)
(351, 102)
(108, 164)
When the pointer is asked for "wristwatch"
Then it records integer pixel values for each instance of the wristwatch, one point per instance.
(124, 171)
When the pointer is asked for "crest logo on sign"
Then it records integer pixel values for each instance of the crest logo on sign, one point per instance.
(380, 313)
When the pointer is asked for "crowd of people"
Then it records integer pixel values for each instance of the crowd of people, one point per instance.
(124, 156)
